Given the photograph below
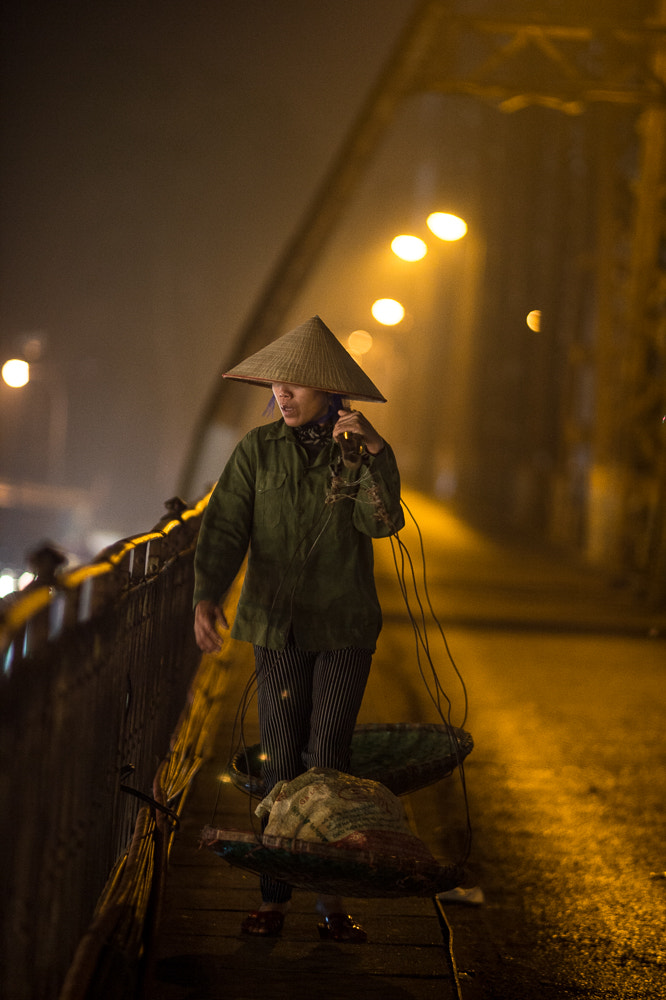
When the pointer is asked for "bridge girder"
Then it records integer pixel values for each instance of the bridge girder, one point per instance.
(566, 65)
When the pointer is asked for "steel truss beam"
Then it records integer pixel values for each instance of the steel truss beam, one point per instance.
(566, 66)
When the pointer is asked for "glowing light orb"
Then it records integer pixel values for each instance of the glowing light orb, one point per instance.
(16, 373)
(533, 320)
(409, 247)
(359, 342)
(446, 226)
(388, 311)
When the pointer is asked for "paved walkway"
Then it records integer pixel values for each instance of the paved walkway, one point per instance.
(201, 954)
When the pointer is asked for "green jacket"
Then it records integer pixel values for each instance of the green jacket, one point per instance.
(310, 562)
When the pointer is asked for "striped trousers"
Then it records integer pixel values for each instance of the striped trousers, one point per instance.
(308, 703)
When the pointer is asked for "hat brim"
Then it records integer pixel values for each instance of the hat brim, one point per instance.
(310, 356)
(268, 383)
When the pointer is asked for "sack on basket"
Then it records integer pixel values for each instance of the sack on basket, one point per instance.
(324, 806)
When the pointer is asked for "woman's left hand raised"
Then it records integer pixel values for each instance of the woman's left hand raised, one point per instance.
(353, 422)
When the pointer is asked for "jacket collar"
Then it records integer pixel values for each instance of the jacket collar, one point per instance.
(279, 429)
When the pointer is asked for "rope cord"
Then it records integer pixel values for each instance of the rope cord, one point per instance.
(422, 643)
(422, 637)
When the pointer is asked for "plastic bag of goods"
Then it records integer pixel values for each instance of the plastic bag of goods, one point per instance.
(325, 806)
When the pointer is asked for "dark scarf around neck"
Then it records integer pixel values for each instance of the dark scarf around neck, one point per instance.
(314, 433)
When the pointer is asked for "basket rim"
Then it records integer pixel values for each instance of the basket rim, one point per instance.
(401, 779)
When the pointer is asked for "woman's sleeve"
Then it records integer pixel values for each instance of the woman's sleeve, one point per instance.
(226, 527)
(377, 511)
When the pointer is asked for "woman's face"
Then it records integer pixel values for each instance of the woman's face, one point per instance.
(298, 404)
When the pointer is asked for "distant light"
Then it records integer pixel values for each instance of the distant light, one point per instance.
(25, 579)
(533, 320)
(446, 227)
(33, 348)
(388, 311)
(16, 373)
(7, 584)
(359, 342)
(409, 247)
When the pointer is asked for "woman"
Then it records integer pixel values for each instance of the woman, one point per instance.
(303, 497)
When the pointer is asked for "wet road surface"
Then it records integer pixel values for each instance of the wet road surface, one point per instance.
(566, 785)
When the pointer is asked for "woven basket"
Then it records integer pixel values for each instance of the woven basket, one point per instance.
(335, 871)
(402, 756)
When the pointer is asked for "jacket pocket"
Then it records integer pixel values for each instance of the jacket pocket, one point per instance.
(269, 498)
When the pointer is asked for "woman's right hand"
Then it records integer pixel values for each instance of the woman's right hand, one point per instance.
(207, 616)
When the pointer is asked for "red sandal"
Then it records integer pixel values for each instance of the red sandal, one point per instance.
(341, 927)
(263, 923)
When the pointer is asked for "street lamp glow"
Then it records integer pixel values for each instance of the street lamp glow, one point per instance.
(388, 311)
(16, 373)
(446, 227)
(409, 247)
(533, 320)
(359, 342)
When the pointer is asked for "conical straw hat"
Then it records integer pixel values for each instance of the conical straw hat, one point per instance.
(310, 356)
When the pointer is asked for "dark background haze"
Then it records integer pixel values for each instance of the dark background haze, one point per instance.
(156, 159)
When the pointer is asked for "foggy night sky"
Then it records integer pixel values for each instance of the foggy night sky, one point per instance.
(156, 159)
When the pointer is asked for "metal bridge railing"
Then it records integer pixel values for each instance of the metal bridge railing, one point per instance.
(102, 712)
